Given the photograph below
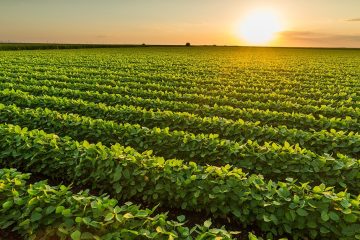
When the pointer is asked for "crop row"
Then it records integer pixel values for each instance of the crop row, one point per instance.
(331, 142)
(41, 211)
(298, 81)
(293, 120)
(231, 96)
(112, 70)
(279, 207)
(271, 160)
(236, 130)
(346, 96)
(239, 130)
(278, 105)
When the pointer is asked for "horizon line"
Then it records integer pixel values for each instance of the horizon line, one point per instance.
(173, 45)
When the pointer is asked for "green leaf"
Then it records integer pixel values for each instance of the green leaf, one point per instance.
(317, 189)
(274, 219)
(142, 213)
(66, 212)
(266, 218)
(63, 230)
(252, 236)
(25, 222)
(345, 203)
(59, 209)
(302, 212)
(324, 215)
(311, 224)
(7, 204)
(324, 230)
(181, 218)
(159, 229)
(117, 187)
(109, 216)
(350, 218)
(128, 215)
(35, 216)
(76, 235)
(87, 235)
(49, 210)
(117, 174)
(334, 216)
(126, 173)
(207, 223)
(287, 228)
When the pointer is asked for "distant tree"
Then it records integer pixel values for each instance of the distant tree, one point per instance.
(188, 44)
(143, 44)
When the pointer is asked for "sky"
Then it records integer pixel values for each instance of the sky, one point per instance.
(305, 23)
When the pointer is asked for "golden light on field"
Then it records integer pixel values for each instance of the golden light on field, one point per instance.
(259, 27)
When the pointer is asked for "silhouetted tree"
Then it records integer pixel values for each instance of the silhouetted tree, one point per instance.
(188, 44)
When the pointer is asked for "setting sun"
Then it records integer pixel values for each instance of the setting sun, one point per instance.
(259, 27)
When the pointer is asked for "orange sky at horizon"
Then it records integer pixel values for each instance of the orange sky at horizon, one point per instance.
(318, 23)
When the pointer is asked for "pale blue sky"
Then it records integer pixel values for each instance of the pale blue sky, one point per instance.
(307, 23)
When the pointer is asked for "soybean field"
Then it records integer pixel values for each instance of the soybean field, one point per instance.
(180, 143)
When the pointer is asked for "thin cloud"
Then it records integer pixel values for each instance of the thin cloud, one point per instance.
(302, 35)
(308, 38)
(318, 36)
(353, 20)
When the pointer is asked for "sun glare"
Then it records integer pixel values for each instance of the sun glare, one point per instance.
(259, 27)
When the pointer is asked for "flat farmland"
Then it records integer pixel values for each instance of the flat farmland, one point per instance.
(260, 143)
